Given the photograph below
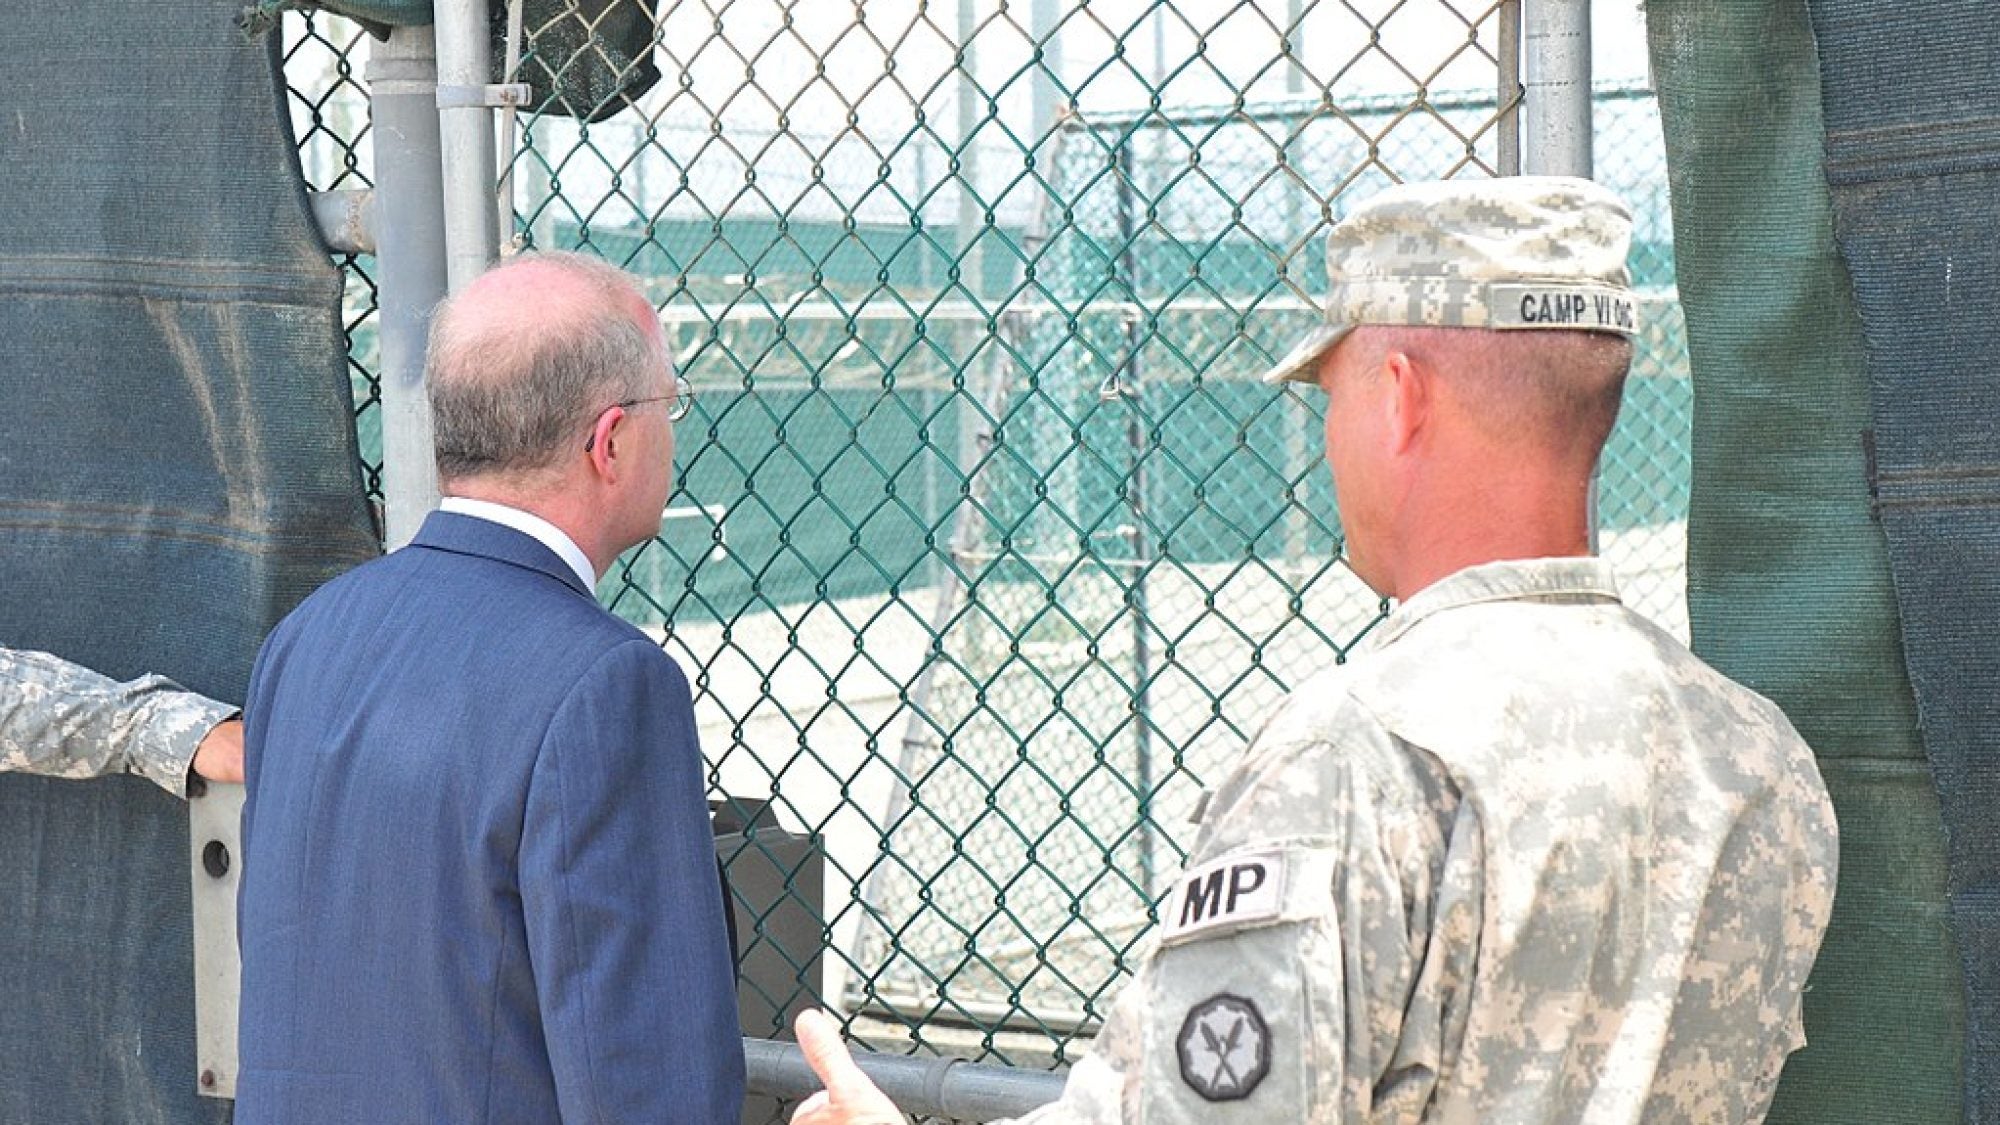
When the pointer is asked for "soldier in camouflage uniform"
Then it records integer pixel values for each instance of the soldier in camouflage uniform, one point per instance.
(63, 720)
(1525, 859)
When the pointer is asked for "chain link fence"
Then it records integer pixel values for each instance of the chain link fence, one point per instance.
(1643, 480)
(989, 552)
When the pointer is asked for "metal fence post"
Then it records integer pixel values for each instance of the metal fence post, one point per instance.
(1049, 96)
(410, 265)
(465, 115)
(1555, 39)
(1507, 96)
(1130, 380)
(1302, 428)
(971, 211)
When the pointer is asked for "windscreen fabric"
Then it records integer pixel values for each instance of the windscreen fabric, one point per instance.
(1911, 95)
(1788, 569)
(179, 471)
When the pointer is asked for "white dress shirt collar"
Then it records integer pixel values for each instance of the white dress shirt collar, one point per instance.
(529, 524)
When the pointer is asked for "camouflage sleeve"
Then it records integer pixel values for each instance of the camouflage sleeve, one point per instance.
(63, 720)
(1289, 960)
(1100, 1083)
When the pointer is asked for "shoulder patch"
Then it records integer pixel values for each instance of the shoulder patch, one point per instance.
(1239, 889)
(1224, 1048)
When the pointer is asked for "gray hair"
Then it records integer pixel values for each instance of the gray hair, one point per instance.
(508, 399)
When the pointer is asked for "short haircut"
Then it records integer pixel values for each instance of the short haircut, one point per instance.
(511, 388)
(1560, 390)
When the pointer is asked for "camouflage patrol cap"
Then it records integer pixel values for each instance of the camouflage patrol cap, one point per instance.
(1516, 252)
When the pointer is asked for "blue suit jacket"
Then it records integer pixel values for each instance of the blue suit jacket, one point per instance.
(479, 880)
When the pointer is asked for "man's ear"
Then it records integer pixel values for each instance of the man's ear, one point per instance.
(602, 452)
(1410, 399)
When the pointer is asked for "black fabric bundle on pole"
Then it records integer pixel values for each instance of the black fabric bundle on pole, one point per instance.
(179, 470)
(1911, 93)
(587, 59)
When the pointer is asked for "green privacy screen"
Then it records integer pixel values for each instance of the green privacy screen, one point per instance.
(179, 470)
(1788, 578)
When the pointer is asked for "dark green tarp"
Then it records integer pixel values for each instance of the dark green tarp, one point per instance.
(178, 471)
(1788, 577)
(1912, 100)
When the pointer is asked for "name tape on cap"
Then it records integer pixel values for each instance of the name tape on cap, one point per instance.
(1236, 890)
(1589, 308)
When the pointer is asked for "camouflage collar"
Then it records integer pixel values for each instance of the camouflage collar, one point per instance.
(1549, 580)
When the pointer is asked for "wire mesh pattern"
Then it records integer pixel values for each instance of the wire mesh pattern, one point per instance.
(989, 552)
(1643, 479)
(323, 56)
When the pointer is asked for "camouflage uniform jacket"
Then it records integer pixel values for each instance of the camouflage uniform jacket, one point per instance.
(1524, 860)
(63, 720)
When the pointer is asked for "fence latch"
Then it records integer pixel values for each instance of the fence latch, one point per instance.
(496, 95)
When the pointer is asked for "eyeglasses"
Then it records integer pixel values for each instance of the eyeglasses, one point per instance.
(681, 401)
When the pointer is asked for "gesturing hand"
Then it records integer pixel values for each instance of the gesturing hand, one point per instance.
(849, 1098)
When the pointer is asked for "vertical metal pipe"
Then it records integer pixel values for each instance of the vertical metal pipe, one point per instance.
(1555, 39)
(1507, 100)
(1300, 428)
(1138, 542)
(1159, 74)
(1295, 45)
(471, 212)
(409, 265)
(971, 211)
(503, 208)
(1047, 93)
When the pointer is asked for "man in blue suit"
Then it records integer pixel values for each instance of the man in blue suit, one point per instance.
(479, 880)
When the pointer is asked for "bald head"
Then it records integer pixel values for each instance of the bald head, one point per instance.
(1555, 393)
(523, 358)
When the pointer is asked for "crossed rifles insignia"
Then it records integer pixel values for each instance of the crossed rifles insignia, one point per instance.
(1225, 1048)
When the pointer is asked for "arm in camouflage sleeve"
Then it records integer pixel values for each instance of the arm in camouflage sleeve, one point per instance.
(1308, 965)
(1102, 1081)
(1311, 964)
(63, 720)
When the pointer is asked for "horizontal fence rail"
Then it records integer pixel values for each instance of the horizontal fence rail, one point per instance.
(949, 1088)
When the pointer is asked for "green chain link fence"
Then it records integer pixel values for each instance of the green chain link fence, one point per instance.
(989, 552)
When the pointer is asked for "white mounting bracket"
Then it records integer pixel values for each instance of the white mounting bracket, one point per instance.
(215, 821)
